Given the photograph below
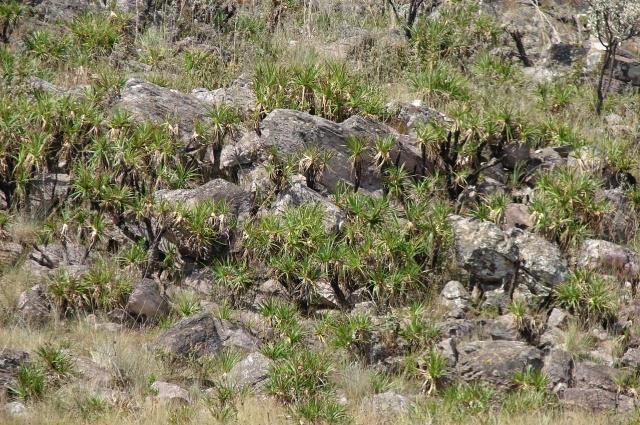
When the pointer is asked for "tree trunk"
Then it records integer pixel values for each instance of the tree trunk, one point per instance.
(603, 71)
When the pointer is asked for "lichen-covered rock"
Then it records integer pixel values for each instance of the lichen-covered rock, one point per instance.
(238, 95)
(541, 262)
(496, 362)
(204, 334)
(485, 251)
(456, 299)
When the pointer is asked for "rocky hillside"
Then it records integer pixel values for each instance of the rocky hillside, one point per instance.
(279, 212)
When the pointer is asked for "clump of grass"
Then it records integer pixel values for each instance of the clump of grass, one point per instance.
(565, 207)
(440, 82)
(58, 363)
(185, 303)
(31, 382)
(300, 377)
(328, 90)
(589, 295)
(96, 34)
(234, 278)
(577, 342)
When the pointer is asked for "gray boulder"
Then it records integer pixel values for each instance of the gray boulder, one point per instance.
(518, 216)
(291, 131)
(147, 302)
(93, 374)
(557, 367)
(149, 102)
(408, 116)
(558, 318)
(239, 153)
(619, 223)
(54, 255)
(251, 372)
(596, 400)
(214, 190)
(496, 362)
(10, 253)
(504, 328)
(15, 409)
(204, 334)
(631, 358)
(239, 95)
(167, 392)
(594, 375)
(49, 190)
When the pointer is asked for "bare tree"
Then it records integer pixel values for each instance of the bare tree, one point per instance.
(614, 21)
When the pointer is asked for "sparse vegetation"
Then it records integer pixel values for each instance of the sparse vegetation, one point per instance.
(102, 188)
